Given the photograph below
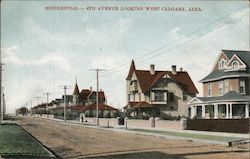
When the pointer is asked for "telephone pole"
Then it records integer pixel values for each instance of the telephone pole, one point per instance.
(1, 106)
(47, 104)
(65, 88)
(97, 93)
(31, 107)
(37, 98)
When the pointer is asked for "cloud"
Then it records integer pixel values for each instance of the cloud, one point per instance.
(10, 57)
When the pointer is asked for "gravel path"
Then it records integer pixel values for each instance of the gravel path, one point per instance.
(70, 141)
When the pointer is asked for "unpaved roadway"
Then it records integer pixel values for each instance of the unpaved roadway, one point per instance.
(71, 141)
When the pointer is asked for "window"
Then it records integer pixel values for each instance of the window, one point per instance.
(222, 64)
(242, 87)
(184, 96)
(159, 96)
(235, 65)
(131, 97)
(209, 89)
(170, 97)
(221, 87)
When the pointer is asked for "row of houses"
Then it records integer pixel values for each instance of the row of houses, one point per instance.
(226, 92)
(80, 102)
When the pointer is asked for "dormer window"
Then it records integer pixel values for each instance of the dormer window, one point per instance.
(222, 64)
(235, 65)
(242, 87)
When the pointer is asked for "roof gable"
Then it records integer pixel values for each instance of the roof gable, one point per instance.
(147, 81)
(243, 55)
(236, 58)
(76, 90)
(131, 70)
(221, 56)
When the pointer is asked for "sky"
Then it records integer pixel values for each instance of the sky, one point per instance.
(45, 49)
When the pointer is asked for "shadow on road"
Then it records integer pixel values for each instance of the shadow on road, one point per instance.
(138, 155)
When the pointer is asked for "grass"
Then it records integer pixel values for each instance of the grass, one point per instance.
(190, 135)
(17, 142)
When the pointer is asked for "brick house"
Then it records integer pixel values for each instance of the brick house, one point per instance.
(226, 89)
(157, 93)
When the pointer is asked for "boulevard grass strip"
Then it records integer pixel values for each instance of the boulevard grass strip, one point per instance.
(15, 142)
(189, 135)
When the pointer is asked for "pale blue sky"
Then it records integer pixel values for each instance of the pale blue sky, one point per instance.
(44, 49)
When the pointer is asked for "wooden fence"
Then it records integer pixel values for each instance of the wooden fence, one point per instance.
(220, 125)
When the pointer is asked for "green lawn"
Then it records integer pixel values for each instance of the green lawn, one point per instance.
(190, 135)
(15, 142)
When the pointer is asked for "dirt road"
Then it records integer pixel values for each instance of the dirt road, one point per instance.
(70, 141)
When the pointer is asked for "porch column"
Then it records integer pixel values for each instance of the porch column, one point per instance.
(215, 111)
(227, 111)
(247, 110)
(231, 110)
(203, 111)
(193, 110)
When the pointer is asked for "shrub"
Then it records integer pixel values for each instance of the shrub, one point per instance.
(169, 117)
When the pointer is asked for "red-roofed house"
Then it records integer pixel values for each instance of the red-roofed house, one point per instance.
(103, 109)
(156, 93)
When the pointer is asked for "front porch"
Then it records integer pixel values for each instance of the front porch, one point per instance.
(226, 110)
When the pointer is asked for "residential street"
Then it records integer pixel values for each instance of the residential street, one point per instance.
(71, 141)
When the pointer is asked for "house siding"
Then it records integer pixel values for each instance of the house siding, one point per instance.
(233, 84)
(217, 63)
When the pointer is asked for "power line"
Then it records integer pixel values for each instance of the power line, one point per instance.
(140, 58)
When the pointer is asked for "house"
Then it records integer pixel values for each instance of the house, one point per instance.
(157, 93)
(86, 96)
(104, 110)
(39, 109)
(22, 111)
(226, 89)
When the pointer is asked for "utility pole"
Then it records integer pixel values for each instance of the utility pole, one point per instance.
(47, 105)
(31, 107)
(1, 106)
(65, 88)
(97, 94)
(37, 98)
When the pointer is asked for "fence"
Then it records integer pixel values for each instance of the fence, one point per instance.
(220, 125)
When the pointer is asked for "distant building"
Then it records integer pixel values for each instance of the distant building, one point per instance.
(22, 111)
(86, 96)
(82, 102)
(39, 109)
(105, 111)
(157, 93)
(226, 89)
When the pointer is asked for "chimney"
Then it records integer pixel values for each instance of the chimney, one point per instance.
(174, 69)
(152, 69)
(181, 69)
(90, 89)
(100, 90)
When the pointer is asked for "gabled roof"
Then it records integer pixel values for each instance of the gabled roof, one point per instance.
(84, 94)
(229, 96)
(101, 95)
(243, 55)
(76, 90)
(221, 74)
(43, 105)
(147, 81)
(138, 105)
(101, 106)
(131, 70)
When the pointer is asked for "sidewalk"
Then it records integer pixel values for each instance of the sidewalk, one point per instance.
(190, 135)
